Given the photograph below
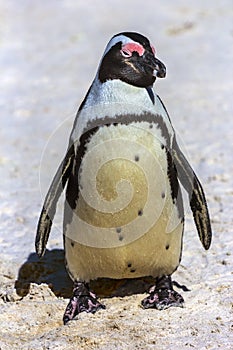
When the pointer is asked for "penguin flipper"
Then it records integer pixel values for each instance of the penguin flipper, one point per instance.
(50, 203)
(197, 200)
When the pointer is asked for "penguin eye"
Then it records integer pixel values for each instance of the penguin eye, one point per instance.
(128, 49)
(126, 53)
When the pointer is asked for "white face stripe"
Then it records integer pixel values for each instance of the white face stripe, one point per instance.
(119, 38)
(124, 39)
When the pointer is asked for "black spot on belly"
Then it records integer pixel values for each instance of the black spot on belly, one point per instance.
(151, 126)
(140, 212)
(136, 158)
(167, 246)
(163, 195)
(72, 244)
(132, 270)
(120, 236)
(162, 146)
(129, 264)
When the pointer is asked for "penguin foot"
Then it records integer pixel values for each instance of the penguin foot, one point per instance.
(162, 295)
(82, 300)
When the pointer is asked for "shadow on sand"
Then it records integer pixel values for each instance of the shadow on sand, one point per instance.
(51, 270)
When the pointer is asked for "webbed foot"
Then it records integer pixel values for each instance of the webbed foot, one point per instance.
(82, 300)
(162, 295)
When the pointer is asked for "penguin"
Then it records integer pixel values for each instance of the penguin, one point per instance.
(123, 211)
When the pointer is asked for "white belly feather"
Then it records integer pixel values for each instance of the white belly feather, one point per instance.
(125, 224)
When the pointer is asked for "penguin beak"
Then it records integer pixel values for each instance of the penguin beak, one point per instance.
(159, 69)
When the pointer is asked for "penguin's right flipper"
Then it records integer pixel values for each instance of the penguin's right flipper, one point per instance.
(50, 203)
(196, 194)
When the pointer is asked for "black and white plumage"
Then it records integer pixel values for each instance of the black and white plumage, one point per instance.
(124, 214)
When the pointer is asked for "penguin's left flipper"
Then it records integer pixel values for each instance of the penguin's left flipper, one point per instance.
(197, 200)
(50, 203)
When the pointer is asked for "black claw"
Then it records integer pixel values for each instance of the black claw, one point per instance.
(162, 295)
(82, 300)
(66, 319)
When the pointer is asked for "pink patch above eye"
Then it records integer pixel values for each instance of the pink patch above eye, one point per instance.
(131, 47)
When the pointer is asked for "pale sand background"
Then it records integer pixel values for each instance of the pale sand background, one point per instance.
(49, 55)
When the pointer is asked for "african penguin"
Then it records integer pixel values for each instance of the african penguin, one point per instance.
(123, 215)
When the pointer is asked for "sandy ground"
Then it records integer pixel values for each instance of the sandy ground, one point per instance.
(49, 55)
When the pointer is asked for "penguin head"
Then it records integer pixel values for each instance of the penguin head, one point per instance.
(130, 57)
